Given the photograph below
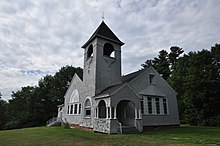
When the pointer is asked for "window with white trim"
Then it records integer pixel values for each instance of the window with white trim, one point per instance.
(68, 109)
(87, 108)
(157, 101)
(165, 105)
(74, 106)
(79, 111)
(71, 109)
(149, 105)
(142, 106)
(155, 106)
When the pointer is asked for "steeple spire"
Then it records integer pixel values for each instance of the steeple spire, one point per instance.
(103, 31)
(103, 16)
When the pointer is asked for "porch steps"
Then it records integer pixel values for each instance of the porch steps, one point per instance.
(129, 130)
(54, 123)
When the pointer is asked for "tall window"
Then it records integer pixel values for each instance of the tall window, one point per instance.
(157, 100)
(75, 108)
(149, 102)
(79, 112)
(71, 109)
(112, 111)
(142, 106)
(68, 109)
(165, 105)
(87, 107)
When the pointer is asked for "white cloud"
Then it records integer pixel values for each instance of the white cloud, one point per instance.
(38, 37)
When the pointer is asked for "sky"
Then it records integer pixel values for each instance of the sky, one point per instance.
(39, 37)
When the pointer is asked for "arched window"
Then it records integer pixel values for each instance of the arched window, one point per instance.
(87, 107)
(108, 50)
(102, 109)
(74, 96)
(74, 106)
(90, 51)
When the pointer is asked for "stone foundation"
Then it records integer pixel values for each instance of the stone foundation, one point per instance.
(86, 123)
(102, 125)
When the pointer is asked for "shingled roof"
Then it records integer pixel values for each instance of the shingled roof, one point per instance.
(125, 79)
(103, 31)
(152, 90)
(131, 76)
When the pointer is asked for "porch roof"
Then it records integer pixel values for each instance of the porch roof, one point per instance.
(110, 90)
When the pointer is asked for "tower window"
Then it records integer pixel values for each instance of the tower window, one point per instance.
(109, 50)
(90, 51)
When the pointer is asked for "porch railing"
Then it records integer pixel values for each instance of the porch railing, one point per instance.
(51, 120)
(120, 127)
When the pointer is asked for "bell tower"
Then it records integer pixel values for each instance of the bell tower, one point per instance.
(102, 60)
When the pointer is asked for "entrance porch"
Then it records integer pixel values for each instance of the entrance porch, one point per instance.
(123, 118)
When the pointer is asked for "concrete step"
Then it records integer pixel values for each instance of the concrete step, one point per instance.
(129, 130)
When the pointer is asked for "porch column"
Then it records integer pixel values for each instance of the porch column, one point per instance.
(106, 112)
(140, 117)
(110, 112)
(135, 113)
(115, 117)
(97, 112)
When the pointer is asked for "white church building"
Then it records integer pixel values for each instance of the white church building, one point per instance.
(108, 102)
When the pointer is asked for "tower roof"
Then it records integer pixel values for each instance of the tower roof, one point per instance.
(103, 31)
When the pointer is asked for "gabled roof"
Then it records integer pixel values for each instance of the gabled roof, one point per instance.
(110, 90)
(114, 89)
(103, 31)
(125, 79)
(151, 90)
(75, 76)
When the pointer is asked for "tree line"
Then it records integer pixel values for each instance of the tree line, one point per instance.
(34, 105)
(195, 77)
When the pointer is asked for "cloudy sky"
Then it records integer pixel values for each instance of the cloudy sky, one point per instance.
(39, 37)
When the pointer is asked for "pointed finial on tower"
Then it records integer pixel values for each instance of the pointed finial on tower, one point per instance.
(103, 16)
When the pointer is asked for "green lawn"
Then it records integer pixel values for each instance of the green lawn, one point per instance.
(183, 136)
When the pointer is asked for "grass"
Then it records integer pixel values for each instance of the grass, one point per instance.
(183, 136)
